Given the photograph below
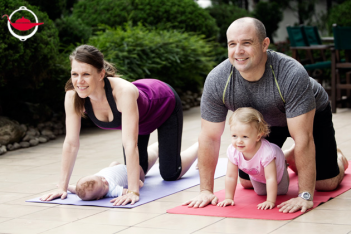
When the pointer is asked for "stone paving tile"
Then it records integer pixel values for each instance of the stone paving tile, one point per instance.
(29, 173)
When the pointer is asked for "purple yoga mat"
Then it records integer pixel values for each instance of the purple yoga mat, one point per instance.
(154, 188)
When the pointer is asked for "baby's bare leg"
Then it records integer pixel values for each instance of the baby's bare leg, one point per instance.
(152, 152)
(114, 163)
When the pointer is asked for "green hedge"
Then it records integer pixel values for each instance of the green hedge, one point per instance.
(340, 15)
(181, 59)
(72, 30)
(184, 15)
(270, 14)
(26, 74)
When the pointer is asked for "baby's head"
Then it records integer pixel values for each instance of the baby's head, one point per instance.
(252, 117)
(92, 187)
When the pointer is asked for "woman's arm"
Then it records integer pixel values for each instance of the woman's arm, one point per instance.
(127, 95)
(70, 148)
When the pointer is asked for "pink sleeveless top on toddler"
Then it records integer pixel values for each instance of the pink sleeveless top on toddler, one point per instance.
(255, 166)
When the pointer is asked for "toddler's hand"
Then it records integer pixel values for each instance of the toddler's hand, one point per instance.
(226, 202)
(265, 205)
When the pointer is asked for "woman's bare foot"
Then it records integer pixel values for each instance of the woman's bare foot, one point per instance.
(343, 159)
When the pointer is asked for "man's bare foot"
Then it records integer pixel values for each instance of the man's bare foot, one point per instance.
(344, 160)
(290, 159)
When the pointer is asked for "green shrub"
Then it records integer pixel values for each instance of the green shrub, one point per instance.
(270, 14)
(224, 15)
(26, 66)
(54, 9)
(180, 59)
(339, 15)
(171, 14)
(72, 30)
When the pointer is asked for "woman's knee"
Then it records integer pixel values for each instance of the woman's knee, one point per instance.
(168, 175)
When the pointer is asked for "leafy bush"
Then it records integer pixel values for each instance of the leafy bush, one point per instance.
(179, 59)
(54, 9)
(72, 30)
(26, 67)
(270, 14)
(171, 14)
(225, 15)
(339, 15)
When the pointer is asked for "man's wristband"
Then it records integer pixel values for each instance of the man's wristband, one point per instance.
(136, 193)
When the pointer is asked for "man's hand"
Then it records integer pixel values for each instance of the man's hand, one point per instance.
(203, 199)
(295, 204)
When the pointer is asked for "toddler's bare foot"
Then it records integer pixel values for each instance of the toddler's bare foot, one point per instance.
(343, 159)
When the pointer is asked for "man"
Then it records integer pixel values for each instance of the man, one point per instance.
(291, 102)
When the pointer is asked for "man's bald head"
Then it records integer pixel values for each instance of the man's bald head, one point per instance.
(260, 28)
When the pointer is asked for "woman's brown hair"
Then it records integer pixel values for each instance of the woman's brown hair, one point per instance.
(92, 56)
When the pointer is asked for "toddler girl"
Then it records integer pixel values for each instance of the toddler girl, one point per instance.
(250, 152)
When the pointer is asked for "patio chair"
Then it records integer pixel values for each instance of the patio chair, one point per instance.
(307, 39)
(341, 66)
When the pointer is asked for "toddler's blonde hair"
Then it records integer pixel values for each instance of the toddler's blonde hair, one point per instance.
(249, 115)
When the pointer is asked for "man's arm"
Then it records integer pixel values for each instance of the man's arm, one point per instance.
(209, 144)
(301, 130)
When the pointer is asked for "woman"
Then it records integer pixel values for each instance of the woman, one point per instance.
(138, 108)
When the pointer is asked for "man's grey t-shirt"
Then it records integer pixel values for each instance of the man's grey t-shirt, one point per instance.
(300, 92)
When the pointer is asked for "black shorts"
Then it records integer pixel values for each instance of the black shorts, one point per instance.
(324, 140)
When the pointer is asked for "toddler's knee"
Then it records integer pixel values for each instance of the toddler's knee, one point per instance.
(261, 193)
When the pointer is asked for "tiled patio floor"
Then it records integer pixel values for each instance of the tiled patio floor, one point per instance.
(31, 172)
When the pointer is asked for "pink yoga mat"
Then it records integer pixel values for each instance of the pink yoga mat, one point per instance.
(246, 201)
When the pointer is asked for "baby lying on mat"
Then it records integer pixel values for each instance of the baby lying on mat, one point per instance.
(111, 181)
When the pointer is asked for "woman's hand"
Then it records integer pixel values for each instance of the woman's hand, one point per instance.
(125, 199)
(54, 194)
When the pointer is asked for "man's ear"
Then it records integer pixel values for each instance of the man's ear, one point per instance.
(265, 44)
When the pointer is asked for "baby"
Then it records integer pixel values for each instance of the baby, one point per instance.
(111, 181)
